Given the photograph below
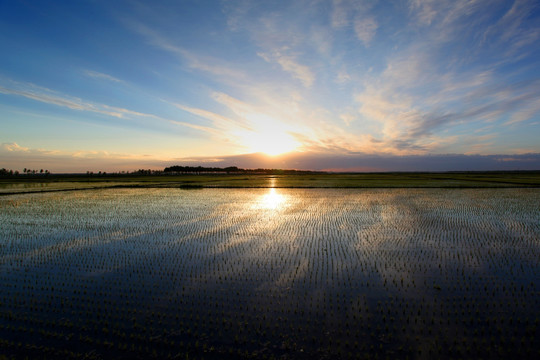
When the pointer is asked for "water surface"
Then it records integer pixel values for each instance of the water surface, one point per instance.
(271, 273)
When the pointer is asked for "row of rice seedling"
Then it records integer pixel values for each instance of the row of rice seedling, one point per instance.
(271, 273)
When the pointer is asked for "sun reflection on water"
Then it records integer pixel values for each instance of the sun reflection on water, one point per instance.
(272, 200)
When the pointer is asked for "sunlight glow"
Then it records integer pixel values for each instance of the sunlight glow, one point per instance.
(269, 136)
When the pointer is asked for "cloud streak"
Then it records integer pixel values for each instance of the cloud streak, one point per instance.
(196, 61)
(98, 75)
(44, 95)
(365, 29)
(289, 64)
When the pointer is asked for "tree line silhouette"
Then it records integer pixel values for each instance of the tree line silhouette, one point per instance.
(172, 170)
(9, 172)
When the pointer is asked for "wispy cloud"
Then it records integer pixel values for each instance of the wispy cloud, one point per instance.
(512, 33)
(289, 64)
(423, 91)
(240, 108)
(206, 129)
(98, 75)
(219, 121)
(18, 156)
(424, 10)
(44, 95)
(356, 13)
(193, 60)
(365, 28)
(281, 41)
(48, 96)
(409, 117)
(14, 147)
(504, 30)
(525, 112)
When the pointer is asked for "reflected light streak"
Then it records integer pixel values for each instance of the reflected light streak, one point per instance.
(272, 200)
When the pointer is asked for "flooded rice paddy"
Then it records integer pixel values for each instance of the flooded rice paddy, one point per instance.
(271, 273)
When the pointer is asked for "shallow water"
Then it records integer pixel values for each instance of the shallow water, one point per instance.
(271, 273)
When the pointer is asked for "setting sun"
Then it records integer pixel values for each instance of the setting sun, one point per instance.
(272, 143)
(269, 136)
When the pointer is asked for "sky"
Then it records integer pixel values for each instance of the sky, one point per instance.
(338, 85)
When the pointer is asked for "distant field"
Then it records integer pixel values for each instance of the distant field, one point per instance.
(370, 180)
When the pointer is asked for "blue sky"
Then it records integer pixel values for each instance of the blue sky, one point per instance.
(122, 85)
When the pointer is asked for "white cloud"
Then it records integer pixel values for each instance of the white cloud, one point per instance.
(219, 121)
(342, 76)
(365, 28)
(322, 40)
(426, 90)
(236, 12)
(212, 131)
(357, 13)
(425, 10)
(525, 113)
(196, 61)
(239, 107)
(282, 37)
(48, 96)
(511, 30)
(44, 95)
(412, 119)
(12, 147)
(98, 75)
(289, 64)
(340, 14)
(212, 66)
(347, 118)
(298, 71)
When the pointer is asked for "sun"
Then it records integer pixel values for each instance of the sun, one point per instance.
(268, 136)
(272, 143)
